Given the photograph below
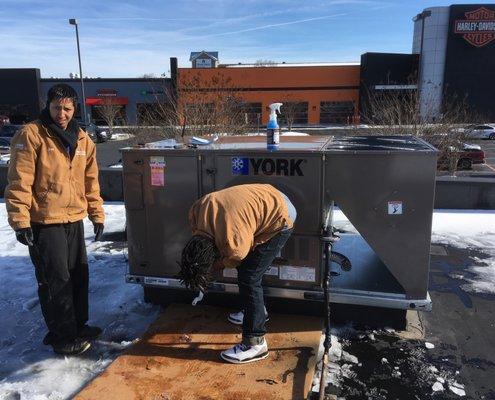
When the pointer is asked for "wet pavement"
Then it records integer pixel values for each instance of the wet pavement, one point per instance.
(456, 358)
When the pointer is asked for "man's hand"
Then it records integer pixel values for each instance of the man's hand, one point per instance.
(98, 230)
(25, 236)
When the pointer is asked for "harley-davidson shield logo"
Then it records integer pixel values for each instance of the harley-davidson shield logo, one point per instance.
(478, 27)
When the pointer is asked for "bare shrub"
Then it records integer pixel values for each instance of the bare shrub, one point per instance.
(398, 112)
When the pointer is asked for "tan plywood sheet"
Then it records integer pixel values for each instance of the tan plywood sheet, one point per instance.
(179, 359)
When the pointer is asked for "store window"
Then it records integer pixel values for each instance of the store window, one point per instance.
(294, 113)
(102, 114)
(336, 112)
(252, 113)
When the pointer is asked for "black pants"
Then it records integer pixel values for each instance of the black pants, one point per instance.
(249, 276)
(61, 265)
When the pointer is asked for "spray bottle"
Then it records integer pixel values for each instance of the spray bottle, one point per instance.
(272, 129)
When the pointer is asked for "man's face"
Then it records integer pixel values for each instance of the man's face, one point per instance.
(62, 111)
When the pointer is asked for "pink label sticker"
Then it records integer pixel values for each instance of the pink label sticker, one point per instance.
(157, 175)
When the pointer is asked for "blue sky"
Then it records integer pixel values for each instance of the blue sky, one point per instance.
(131, 38)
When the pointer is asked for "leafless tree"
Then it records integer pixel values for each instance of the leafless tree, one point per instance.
(292, 110)
(398, 112)
(264, 63)
(109, 112)
(202, 105)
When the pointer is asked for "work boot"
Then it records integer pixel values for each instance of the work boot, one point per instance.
(237, 317)
(242, 353)
(71, 348)
(89, 332)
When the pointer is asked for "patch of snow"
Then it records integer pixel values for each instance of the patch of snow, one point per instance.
(437, 387)
(293, 133)
(473, 231)
(349, 357)
(429, 345)
(29, 369)
(384, 360)
(120, 136)
(457, 388)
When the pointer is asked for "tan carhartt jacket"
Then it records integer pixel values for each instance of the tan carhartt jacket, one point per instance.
(45, 186)
(239, 218)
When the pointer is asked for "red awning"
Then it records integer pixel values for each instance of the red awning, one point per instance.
(102, 100)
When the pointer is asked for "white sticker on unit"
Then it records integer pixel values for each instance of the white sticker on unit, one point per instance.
(395, 207)
(230, 273)
(305, 274)
(272, 271)
(149, 280)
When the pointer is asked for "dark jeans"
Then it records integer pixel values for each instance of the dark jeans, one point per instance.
(61, 266)
(249, 276)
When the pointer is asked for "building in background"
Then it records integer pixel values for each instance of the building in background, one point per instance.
(204, 59)
(321, 93)
(456, 48)
(20, 94)
(133, 97)
(385, 73)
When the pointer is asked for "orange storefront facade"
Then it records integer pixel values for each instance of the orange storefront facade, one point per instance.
(325, 94)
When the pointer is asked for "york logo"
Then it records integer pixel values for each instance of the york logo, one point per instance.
(267, 166)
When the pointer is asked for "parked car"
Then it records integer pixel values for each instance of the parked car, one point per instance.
(9, 130)
(96, 134)
(4, 146)
(4, 151)
(486, 131)
(468, 154)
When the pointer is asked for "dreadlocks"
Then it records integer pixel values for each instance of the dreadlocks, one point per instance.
(197, 259)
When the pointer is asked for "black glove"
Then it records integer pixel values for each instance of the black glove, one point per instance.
(25, 236)
(98, 229)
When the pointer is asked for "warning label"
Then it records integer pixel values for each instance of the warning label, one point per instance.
(395, 207)
(157, 166)
(304, 274)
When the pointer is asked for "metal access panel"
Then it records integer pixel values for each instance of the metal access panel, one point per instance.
(296, 169)
(385, 186)
(160, 185)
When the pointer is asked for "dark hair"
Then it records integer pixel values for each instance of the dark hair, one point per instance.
(62, 91)
(196, 263)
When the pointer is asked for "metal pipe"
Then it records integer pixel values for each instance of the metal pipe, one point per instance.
(327, 343)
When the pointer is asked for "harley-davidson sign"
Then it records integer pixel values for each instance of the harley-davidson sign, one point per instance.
(478, 27)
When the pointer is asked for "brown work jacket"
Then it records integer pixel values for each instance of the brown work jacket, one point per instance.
(45, 186)
(240, 218)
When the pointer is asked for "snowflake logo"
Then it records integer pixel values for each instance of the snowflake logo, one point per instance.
(240, 166)
(237, 163)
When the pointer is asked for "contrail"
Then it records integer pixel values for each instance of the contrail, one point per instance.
(299, 21)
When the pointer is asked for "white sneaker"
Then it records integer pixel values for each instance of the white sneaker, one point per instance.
(241, 353)
(238, 317)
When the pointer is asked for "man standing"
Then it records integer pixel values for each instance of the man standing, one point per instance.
(52, 186)
(243, 227)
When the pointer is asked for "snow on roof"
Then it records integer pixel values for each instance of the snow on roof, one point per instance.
(196, 54)
(316, 64)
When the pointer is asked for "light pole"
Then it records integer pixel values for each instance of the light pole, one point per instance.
(422, 16)
(73, 21)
